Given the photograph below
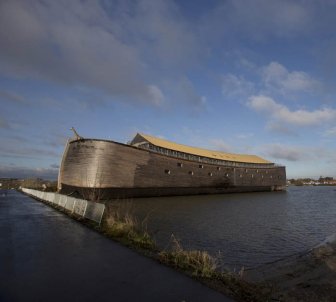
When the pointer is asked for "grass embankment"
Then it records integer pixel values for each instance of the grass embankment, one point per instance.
(125, 227)
(198, 263)
(205, 268)
(121, 224)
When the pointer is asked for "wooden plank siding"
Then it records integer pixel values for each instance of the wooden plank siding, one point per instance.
(90, 163)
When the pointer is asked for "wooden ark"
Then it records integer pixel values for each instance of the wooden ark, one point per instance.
(149, 166)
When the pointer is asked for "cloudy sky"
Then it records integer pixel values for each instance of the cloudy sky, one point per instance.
(254, 77)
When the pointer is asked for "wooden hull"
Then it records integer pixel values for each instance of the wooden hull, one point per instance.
(106, 169)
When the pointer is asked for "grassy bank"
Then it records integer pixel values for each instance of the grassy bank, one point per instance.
(121, 224)
(124, 226)
(202, 266)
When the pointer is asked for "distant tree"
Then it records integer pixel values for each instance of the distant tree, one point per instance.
(325, 179)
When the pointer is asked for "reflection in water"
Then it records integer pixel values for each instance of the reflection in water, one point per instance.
(247, 229)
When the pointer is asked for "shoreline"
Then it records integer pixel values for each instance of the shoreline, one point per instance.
(306, 277)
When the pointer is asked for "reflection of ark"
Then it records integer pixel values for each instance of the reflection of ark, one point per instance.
(150, 166)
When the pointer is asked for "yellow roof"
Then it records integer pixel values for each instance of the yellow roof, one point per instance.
(243, 158)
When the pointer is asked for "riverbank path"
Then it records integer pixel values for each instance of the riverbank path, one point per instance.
(47, 256)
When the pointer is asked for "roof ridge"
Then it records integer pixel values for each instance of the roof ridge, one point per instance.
(249, 158)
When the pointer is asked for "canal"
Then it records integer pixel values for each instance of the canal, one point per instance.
(247, 229)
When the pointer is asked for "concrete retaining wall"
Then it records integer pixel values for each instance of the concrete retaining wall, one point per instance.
(88, 209)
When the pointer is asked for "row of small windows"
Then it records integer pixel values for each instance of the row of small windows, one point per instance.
(227, 174)
(167, 171)
(262, 176)
(218, 168)
(200, 166)
(257, 171)
(211, 174)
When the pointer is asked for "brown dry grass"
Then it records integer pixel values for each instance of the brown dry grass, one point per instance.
(199, 263)
(121, 223)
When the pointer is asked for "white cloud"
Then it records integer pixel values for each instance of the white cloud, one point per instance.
(331, 132)
(236, 86)
(276, 76)
(157, 97)
(273, 79)
(261, 19)
(184, 92)
(68, 45)
(281, 128)
(35, 147)
(247, 64)
(281, 113)
(220, 145)
(120, 48)
(290, 153)
(169, 38)
(25, 172)
(266, 17)
(12, 97)
(245, 135)
(304, 155)
(4, 124)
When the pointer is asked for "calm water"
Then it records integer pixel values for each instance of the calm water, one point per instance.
(247, 229)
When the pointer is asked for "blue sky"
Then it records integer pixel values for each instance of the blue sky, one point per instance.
(254, 77)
